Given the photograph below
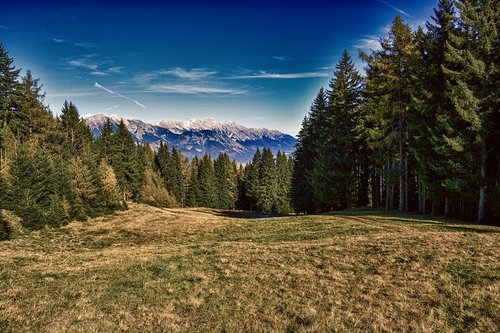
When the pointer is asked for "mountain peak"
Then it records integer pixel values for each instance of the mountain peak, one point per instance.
(197, 136)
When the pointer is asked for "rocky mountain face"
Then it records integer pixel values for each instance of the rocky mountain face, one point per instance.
(197, 136)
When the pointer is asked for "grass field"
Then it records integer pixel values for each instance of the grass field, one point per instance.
(175, 270)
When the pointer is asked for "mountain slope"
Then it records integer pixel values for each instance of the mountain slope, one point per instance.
(195, 137)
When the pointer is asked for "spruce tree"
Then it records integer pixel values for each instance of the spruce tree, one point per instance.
(225, 182)
(126, 163)
(193, 189)
(284, 182)
(389, 88)
(8, 89)
(267, 190)
(252, 172)
(333, 175)
(206, 182)
(472, 87)
(305, 151)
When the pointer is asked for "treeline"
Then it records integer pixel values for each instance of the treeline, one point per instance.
(420, 132)
(53, 170)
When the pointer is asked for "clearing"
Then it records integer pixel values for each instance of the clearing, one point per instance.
(202, 270)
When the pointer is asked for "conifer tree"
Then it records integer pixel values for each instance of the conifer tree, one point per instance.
(126, 163)
(105, 142)
(389, 86)
(333, 175)
(225, 182)
(206, 182)
(252, 173)
(305, 150)
(193, 190)
(8, 88)
(268, 187)
(472, 87)
(284, 182)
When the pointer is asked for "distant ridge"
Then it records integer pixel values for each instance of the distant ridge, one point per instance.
(197, 136)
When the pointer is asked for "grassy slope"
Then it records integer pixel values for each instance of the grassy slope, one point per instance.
(198, 270)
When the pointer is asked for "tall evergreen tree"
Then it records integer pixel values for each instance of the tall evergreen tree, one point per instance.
(206, 182)
(252, 172)
(305, 150)
(126, 163)
(225, 182)
(333, 176)
(389, 85)
(8, 88)
(268, 186)
(472, 86)
(284, 171)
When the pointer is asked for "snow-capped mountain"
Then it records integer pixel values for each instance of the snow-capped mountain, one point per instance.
(197, 136)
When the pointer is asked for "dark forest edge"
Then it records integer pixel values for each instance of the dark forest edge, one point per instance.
(420, 132)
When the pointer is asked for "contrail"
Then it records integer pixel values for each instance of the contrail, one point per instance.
(396, 9)
(97, 85)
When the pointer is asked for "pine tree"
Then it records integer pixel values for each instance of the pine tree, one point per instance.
(305, 150)
(268, 186)
(126, 163)
(8, 147)
(206, 182)
(8, 88)
(389, 87)
(252, 172)
(284, 182)
(78, 136)
(5, 229)
(225, 182)
(333, 175)
(174, 178)
(193, 190)
(105, 141)
(472, 87)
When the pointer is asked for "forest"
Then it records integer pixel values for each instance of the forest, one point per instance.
(418, 132)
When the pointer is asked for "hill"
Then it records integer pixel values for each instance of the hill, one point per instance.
(202, 270)
(197, 136)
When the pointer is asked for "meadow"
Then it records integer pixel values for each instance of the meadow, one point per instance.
(204, 270)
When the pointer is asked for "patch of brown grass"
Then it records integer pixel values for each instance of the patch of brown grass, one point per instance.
(176, 270)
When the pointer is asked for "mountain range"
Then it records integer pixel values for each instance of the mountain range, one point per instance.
(198, 136)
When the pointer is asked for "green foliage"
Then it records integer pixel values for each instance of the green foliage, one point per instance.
(5, 229)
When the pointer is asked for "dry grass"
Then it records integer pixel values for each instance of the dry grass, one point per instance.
(200, 270)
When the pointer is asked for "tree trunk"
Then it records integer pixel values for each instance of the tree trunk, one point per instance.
(401, 173)
(482, 190)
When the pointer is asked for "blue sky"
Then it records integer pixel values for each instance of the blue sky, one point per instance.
(259, 64)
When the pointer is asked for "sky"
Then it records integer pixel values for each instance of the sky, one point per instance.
(260, 63)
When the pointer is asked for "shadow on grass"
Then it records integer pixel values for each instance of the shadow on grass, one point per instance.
(248, 215)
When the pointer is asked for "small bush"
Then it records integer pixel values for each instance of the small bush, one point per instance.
(5, 229)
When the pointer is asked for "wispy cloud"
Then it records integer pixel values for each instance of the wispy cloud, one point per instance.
(111, 108)
(97, 85)
(83, 63)
(282, 58)
(192, 89)
(180, 73)
(86, 45)
(369, 43)
(114, 70)
(395, 8)
(266, 75)
(98, 73)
